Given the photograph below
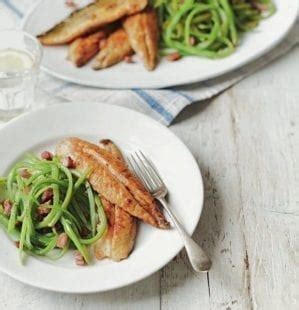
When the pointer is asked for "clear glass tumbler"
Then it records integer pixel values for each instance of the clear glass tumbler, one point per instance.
(20, 56)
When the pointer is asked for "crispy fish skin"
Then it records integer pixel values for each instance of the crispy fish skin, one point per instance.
(119, 239)
(108, 177)
(89, 19)
(116, 48)
(122, 173)
(108, 145)
(83, 49)
(143, 32)
(124, 234)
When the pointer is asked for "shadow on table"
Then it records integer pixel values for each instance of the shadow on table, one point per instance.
(192, 110)
(206, 235)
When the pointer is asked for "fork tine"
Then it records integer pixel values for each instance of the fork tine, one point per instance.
(152, 167)
(139, 172)
(135, 168)
(146, 170)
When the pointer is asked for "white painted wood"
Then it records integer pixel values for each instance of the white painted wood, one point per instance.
(143, 295)
(246, 143)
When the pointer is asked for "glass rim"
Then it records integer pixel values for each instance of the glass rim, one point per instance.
(36, 59)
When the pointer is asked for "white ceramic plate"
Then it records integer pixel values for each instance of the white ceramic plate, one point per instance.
(188, 70)
(41, 129)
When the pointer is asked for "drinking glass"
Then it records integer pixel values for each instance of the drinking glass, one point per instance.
(20, 56)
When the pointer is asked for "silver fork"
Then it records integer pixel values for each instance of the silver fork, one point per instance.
(148, 174)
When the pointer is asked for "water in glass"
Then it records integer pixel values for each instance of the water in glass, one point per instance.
(19, 64)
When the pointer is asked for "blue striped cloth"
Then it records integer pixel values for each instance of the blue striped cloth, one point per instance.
(163, 104)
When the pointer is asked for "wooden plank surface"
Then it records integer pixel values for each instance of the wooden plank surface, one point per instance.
(246, 144)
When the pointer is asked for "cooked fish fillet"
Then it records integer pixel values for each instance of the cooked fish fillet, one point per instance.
(119, 240)
(124, 234)
(83, 49)
(89, 19)
(116, 48)
(143, 32)
(121, 172)
(113, 180)
(109, 146)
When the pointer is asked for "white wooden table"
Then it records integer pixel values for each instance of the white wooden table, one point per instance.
(246, 144)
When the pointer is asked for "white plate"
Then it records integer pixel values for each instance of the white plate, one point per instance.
(41, 129)
(188, 70)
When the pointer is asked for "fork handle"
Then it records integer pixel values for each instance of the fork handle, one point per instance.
(198, 258)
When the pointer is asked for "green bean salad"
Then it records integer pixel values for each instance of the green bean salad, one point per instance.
(208, 28)
(49, 207)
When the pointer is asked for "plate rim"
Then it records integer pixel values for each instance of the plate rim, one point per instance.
(162, 263)
(154, 84)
